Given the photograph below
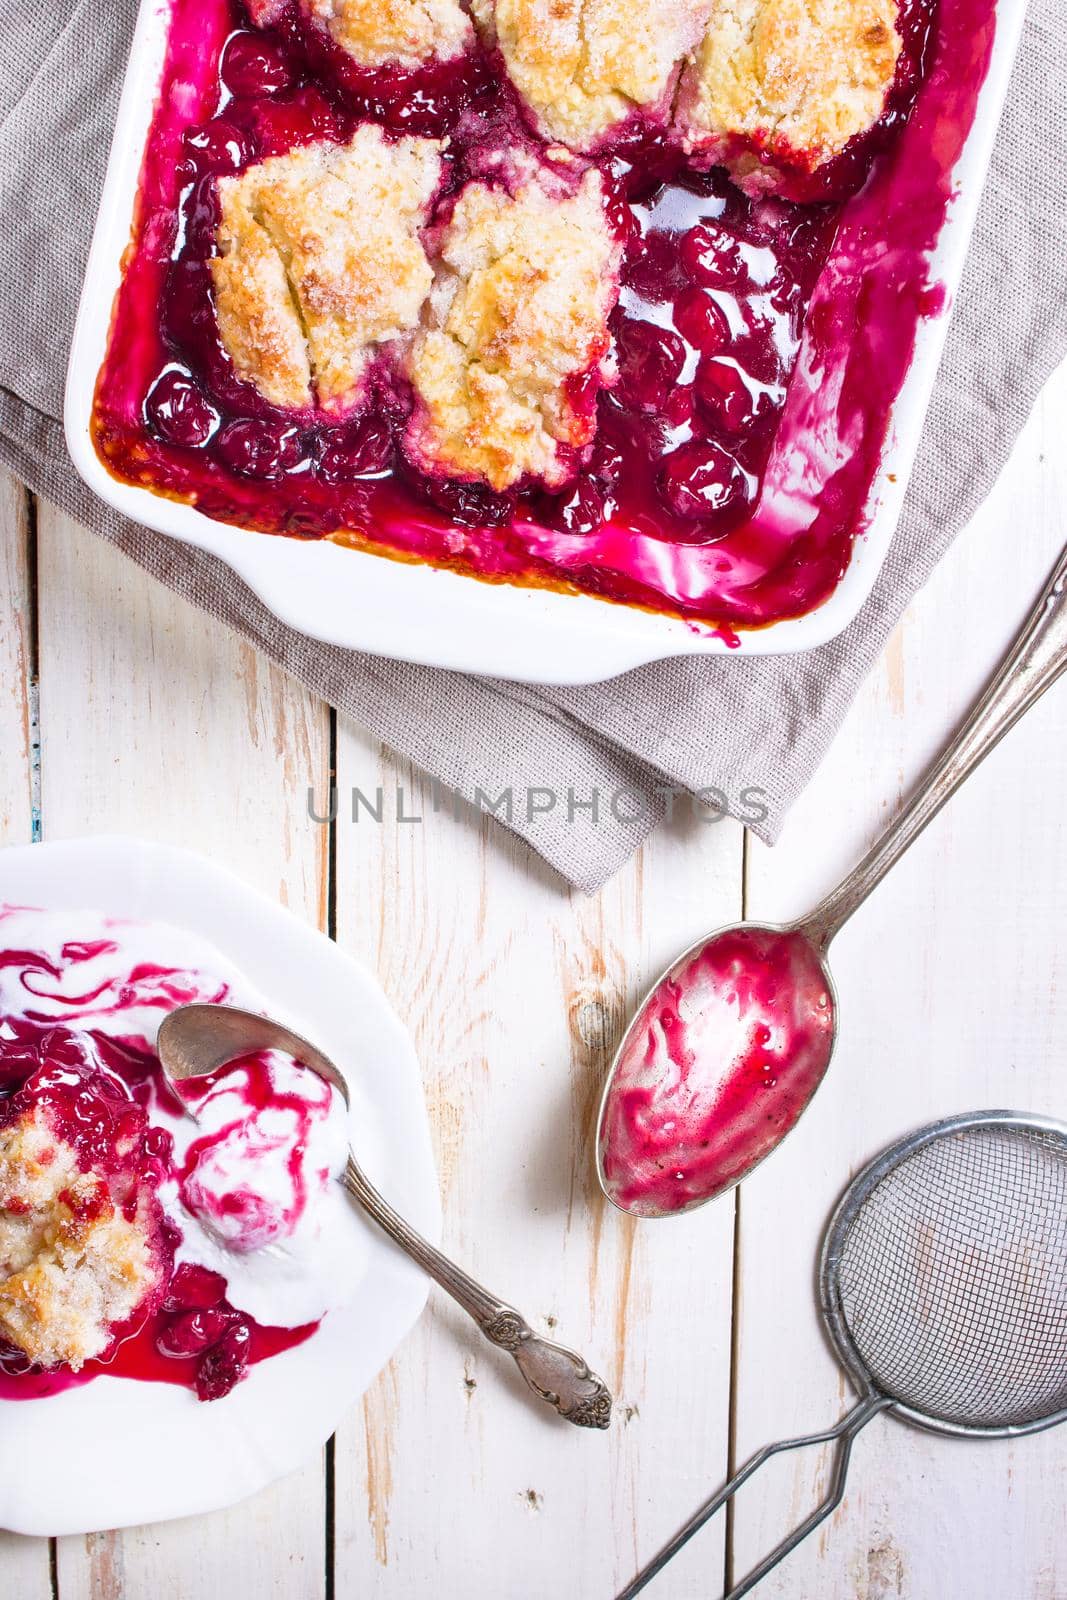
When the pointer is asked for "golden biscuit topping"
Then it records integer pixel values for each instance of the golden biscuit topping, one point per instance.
(72, 1265)
(583, 65)
(802, 77)
(320, 263)
(520, 310)
(376, 33)
(380, 33)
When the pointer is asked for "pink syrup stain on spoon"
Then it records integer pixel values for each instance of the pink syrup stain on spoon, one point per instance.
(715, 1069)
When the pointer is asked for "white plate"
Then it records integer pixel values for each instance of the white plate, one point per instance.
(117, 1451)
(419, 613)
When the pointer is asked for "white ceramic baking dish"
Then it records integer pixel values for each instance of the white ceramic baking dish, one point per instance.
(420, 613)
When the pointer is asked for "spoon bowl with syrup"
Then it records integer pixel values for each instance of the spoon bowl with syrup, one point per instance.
(730, 1044)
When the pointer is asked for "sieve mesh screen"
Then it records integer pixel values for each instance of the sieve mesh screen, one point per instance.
(952, 1277)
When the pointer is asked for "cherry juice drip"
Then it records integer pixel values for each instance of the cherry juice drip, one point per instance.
(98, 1091)
(731, 466)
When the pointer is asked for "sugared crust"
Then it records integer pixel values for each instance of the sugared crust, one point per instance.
(407, 33)
(800, 77)
(320, 262)
(259, 323)
(71, 1264)
(583, 65)
(526, 285)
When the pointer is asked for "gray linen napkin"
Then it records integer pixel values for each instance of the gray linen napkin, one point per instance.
(692, 724)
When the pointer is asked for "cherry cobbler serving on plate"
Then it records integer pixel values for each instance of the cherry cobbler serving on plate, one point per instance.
(134, 1240)
(581, 293)
(83, 1246)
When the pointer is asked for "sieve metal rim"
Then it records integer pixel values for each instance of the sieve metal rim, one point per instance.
(836, 1235)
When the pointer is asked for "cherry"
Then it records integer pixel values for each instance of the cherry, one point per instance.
(581, 511)
(259, 447)
(294, 119)
(178, 410)
(653, 266)
(582, 390)
(253, 66)
(193, 1288)
(734, 400)
(363, 449)
(220, 146)
(726, 396)
(650, 363)
(427, 110)
(223, 1366)
(678, 406)
(709, 182)
(159, 1143)
(699, 481)
(700, 321)
(193, 1332)
(786, 298)
(713, 257)
(621, 217)
(201, 220)
(605, 462)
(470, 505)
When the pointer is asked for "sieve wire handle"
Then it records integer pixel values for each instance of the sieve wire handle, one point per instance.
(1032, 665)
(845, 1432)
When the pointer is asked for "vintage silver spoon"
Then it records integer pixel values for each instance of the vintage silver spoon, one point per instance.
(198, 1039)
(731, 1043)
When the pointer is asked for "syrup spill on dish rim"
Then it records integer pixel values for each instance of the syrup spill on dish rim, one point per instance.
(761, 343)
(253, 1240)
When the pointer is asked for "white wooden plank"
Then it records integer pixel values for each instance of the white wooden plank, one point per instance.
(453, 1481)
(24, 1563)
(158, 722)
(16, 664)
(952, 999)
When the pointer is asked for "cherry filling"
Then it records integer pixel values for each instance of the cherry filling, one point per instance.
(97, 1092)
(712, 489)
(198, 1325)
(92, 1090)
(178, 411)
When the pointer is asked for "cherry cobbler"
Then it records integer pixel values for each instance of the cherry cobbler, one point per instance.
(135, 1240)
(320, 264)
(587, 293)
(83, 1247)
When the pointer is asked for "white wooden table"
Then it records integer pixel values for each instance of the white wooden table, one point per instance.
(446, 1481)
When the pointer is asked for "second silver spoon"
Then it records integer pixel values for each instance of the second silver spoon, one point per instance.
(728, 1047)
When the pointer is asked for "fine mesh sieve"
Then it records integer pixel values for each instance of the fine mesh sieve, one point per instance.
(943, 1283)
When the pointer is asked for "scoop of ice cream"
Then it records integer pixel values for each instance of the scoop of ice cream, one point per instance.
(271, 1138)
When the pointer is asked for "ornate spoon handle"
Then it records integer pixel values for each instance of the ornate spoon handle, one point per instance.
(556, 1374)
(1032, 665)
